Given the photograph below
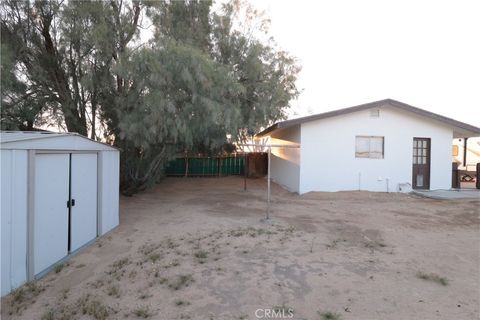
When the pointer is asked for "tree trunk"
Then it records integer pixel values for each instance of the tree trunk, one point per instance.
(74, 122)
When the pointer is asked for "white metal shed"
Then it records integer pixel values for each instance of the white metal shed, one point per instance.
(59, 191)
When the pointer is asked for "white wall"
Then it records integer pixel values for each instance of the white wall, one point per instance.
(13, 218)
(109, 168)
(328, 160)
(285, 162)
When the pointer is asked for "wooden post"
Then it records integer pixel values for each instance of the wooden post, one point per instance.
(186, 164)
(478, 176)
(244, 171)
(268, 183)
(455, 176)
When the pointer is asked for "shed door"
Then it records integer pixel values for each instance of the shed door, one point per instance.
(421, 163)
(50, 210)
(83, 214)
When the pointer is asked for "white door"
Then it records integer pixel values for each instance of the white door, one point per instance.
(83, 214)
(50, 210)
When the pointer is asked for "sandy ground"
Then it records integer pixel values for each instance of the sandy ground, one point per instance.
(197, 249)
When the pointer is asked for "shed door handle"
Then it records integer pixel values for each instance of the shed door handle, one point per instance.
(71, 203)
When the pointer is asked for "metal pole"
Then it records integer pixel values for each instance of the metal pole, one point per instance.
(268, 183)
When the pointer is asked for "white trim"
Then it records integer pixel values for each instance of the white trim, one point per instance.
(30, 214)
(99, 191)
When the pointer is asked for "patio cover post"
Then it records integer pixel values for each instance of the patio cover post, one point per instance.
(269, 164)
(268, 183)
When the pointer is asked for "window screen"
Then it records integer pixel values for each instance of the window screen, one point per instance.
(369, 147)
(374, 113)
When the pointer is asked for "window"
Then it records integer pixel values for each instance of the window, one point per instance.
(369, 147)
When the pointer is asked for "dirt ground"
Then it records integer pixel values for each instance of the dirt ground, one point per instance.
(196, 248)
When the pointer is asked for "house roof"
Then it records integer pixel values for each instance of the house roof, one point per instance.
(471, 130)
(8, 138)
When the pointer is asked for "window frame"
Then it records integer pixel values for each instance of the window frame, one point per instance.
(370, 152)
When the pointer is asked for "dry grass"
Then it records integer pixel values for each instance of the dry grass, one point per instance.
(181, 303)
(328, 315)
(142, 312)
(93, 307)
(114, 291)
(87, 305)
(23, 296)
(59, 267)
(181, 281)
(213, 257)
(201, 256)
(433, 277)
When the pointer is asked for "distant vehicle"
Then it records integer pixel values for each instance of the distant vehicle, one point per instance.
(467, 167)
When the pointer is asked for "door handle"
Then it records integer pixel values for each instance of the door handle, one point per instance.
(70, 203)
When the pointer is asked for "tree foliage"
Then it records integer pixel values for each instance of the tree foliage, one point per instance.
(83, 66)
(191, 107)
(267, 73)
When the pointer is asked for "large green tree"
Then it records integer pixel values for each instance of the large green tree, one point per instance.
(230, 37)
(179, 99)
(267, 73)
(83, 66)
(64, 53)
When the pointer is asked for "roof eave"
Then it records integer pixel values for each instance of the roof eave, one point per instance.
(268, 130)
(469, 130)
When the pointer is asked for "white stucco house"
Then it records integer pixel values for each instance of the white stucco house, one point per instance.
(59, 192)
(381, 146)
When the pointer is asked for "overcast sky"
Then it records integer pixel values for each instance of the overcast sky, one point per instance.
(423, 53)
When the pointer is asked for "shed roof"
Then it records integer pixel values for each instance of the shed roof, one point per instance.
(11, 136)
(464, 128)
(56, 141)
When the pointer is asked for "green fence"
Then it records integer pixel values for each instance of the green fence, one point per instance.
(206, 166)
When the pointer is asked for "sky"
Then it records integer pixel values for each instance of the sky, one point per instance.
(423, 53)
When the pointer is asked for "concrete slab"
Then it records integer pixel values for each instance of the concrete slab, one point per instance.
(449, 194)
